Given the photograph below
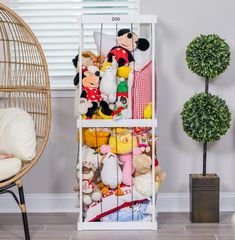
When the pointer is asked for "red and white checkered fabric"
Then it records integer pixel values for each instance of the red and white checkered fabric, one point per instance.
(141, 91)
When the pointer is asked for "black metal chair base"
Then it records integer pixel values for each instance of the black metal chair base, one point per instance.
(21, 203)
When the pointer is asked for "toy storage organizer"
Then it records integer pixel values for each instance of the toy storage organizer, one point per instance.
(121, 206)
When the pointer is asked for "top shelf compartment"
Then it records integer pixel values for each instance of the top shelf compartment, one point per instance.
(117, 123)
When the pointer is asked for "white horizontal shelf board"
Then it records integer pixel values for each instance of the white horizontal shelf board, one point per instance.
(117, 226)
(118, 123)
(122, 19)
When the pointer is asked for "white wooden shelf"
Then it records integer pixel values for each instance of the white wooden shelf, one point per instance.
(83, 21)
(117, 123)
(117, 226)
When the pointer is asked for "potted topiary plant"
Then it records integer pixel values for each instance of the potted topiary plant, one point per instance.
(206, 118)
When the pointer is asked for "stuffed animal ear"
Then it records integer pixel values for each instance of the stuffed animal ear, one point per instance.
(76, 79)
(143, 44)
(123, 31)
(75, 61)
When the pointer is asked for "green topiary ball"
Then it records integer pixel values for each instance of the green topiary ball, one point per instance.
(208, 55)
(205, 117)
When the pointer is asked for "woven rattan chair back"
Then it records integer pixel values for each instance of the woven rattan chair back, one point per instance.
(24, 81)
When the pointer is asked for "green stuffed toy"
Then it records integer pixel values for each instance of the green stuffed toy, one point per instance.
(122, 100)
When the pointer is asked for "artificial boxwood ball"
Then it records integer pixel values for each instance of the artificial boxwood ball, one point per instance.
(208, 55)
(206, 117)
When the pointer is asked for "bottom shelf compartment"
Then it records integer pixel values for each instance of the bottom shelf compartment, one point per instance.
(119, 178)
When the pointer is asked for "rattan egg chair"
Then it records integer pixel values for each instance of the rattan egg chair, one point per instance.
(24, 83)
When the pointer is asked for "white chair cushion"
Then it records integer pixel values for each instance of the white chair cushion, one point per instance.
(17, 133)
(9, 167)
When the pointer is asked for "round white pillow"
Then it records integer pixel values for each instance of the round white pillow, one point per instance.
(9, 167)
(17, 133)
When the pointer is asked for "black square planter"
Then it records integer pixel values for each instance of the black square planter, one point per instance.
(204, 198)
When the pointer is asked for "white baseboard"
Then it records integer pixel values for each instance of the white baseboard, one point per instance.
(167, 202)
(41, 203)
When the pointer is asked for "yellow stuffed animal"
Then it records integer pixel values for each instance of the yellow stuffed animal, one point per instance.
(122, 72)
(121, 141)
(148, 111)
(95, 138)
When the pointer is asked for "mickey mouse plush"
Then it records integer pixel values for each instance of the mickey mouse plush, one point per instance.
(127, 42)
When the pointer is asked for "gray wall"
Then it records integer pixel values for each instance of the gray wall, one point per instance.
(179, 22)
(55, 171)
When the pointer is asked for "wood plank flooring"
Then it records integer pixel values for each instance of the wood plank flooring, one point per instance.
(172, 226)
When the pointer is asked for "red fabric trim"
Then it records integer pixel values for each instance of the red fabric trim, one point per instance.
(120, 94)
(126, 204)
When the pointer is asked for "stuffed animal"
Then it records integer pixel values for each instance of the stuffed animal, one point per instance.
(127, 42)
(145, 142)
(121, 106)
(95, 137)
(91, 193)
(90, 158)
(91, 92)
(122, 142)
(143, 182)
(142, 164)
(128, 167)
(91, 161)
(111, 173)
(108, 85)
(90, 99)
(160, 176)
(88, 59)
(148, 111)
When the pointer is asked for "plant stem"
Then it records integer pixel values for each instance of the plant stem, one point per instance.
(205, 144)
(204, 158)
(206, 85)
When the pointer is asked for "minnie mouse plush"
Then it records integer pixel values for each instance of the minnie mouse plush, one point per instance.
(90, 98)
(127, 42)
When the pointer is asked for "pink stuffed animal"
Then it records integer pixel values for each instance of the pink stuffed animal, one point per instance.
(128, 168)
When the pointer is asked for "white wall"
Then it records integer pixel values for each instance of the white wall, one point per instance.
(179, 22)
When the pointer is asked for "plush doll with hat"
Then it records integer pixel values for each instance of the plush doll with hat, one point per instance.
(91, 161)
(91, 192)
(120, 109)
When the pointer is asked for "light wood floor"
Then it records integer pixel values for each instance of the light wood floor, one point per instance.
(172, 226)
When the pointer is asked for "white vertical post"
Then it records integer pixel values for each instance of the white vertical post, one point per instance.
(153, 127)
(80, 222)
